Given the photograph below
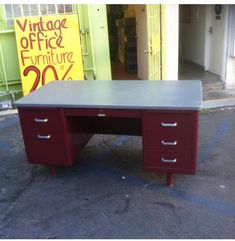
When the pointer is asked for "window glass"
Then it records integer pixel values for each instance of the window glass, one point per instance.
(9, 15)
(60, 8)
(8, 10)
(16, 10)
(26, 10)
(34, 9)
(51, 9)
(43, 9)
(68, 8)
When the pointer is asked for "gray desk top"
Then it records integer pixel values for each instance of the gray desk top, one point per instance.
(132, 94)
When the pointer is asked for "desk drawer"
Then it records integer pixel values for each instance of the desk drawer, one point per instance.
(169, 140)
(159, 160)
(173, 122)
(103, 112)
(46, 147)
(44, 138)
(38, 119)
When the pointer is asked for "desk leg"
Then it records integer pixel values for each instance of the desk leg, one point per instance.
(53, 171)
(169, 179)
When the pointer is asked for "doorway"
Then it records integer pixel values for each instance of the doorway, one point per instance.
(216, 37)
(202, 43)
(122, 41)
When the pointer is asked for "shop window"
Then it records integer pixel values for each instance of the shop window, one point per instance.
(19, 10)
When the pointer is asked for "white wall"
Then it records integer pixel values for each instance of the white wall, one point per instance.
(207, 36)
(230, 73)
(225, 43)
(172, 41)
(230, 68)
(216, 43)
(192, 35)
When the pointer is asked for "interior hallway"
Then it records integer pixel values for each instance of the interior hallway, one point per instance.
(190, 71)
(212, 85)
(119, 72)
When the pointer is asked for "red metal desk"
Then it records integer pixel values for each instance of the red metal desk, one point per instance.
(55, 133)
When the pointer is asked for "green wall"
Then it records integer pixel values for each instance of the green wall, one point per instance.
(100, 41)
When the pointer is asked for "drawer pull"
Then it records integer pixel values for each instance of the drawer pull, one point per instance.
(168, 160)
(101, 115)
(43, 137)
(169, 124)
(169, 143)
(41, 120)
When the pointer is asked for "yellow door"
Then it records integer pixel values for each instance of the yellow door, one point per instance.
(154, 41)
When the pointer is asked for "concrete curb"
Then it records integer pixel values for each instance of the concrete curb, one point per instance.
(8, 112)
(218, 103)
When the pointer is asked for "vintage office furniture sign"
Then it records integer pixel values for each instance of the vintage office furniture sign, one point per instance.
(49, 49)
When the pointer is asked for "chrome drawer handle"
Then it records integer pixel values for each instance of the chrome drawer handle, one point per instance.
(101, 115)
(41, 120)
(169, 124)
(43, 137)
(166, 143)
(168, 160)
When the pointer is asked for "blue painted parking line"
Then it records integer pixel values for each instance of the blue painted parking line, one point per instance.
(7, 122)
(208, 149)
(214, 205)
(221, 207)
(5, 146)
(94, 167)
(120, 140)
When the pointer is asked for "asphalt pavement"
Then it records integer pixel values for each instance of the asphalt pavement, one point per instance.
(106, 194)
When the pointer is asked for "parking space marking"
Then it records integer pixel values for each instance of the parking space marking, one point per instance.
(214, 205)
(208, 149)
